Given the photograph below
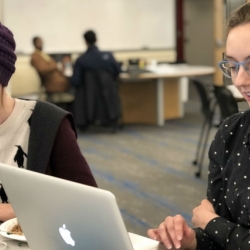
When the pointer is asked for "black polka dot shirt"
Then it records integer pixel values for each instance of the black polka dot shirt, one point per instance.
(229, 187)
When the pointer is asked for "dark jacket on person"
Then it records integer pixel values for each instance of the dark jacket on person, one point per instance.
(96, 96)
(93, 60)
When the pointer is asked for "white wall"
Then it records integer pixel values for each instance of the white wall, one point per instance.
(1, 9)
(231, 5)
(120, 24)
(199, 32)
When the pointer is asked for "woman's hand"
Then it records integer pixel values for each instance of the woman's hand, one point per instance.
(174, 232)
(203, 214)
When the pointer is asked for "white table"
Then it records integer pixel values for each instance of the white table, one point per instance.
(139, 243)
(157, 96)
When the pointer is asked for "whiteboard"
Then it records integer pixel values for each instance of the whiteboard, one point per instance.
(119, 24)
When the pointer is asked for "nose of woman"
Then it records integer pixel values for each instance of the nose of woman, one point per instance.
(242, 79)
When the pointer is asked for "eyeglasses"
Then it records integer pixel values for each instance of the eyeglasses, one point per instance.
(230, 69)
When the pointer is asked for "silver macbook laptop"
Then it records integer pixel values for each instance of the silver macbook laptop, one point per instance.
(59, 214)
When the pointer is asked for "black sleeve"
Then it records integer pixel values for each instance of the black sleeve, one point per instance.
(116, 66)
(222, 231)
(215, 182)
(77, 77)
(227, 234)
(204, 240)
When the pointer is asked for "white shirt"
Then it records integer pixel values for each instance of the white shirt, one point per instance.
(14, 134)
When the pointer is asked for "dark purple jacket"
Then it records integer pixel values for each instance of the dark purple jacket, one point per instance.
(53, 148)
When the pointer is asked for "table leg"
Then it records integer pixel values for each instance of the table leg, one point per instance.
(182, 82)
(160, 102)
(173, 104)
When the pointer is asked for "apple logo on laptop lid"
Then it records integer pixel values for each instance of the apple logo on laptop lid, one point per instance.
(66, 235)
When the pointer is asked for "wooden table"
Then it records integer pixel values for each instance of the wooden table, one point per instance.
(152, 98)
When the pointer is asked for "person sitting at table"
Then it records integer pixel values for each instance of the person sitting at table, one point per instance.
(52, 78)
(35, 135)
(222, 221)
(90, 92)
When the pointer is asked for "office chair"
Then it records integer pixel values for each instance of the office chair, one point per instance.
(63, 100)
(226, 101)
(223, 98)
(208, 105)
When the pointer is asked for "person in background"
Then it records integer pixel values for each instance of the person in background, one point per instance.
(35, 135)
(93, 59)
(52, 78)
(222, 221)
(94, 78)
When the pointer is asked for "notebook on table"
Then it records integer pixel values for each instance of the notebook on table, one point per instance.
(60, 214)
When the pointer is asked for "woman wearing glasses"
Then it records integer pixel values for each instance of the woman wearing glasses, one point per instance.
(222, 221)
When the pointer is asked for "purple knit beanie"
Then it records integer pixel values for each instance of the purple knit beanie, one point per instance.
(7, 55)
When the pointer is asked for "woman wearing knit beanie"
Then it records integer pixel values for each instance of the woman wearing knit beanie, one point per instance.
(35, 135)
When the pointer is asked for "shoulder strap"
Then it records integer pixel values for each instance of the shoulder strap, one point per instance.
(44, 124)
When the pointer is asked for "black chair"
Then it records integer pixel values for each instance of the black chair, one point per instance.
(208, 105)
(63, 100)
(218, 96)
(226, 101)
